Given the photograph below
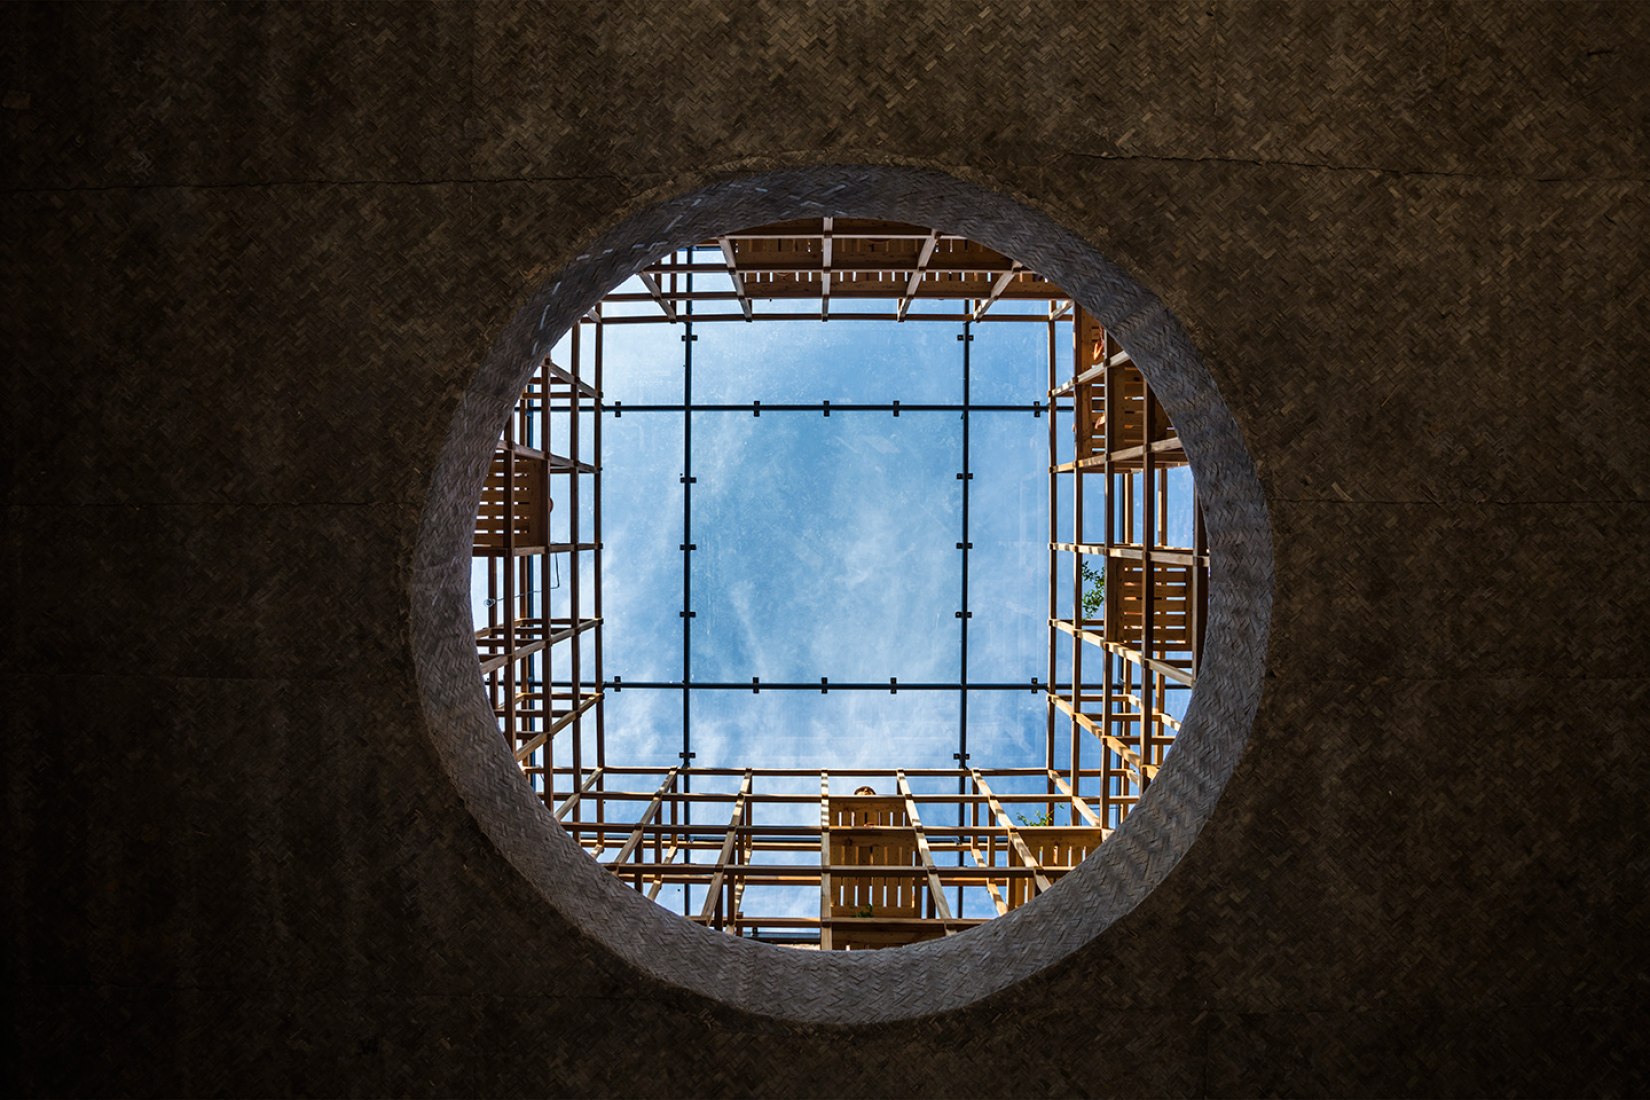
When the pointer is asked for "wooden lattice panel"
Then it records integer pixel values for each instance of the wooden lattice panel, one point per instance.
(1171, 604)
(1056, 850)
(515, 502)
(871, 260)
(870, 910)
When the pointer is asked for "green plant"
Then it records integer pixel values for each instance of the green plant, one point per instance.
(1094, 591)
(865, 912)
(1044, 818)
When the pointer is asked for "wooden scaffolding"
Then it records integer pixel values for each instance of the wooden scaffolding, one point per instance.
(866, 850)
(1134, 624)
(535, 656)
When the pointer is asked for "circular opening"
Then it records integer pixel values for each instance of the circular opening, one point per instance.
(933, 975)
(790, 583)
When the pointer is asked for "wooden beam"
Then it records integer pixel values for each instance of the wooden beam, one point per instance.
(1091, 374)
(825, 272)
(1129, 653)
(935, 892)
(961, 266)
(571, 380)
(1014, 838)
(653, 289)
(844, 286)
(670, 858)
(911, 285)
(1133, 553)
(560, 723)
(1077, 803)
(635, 840)
(944, 318)
(1131, 759)
(980, 859)
(493, 661)
(997, 289)
(824, 861)
(803, 874)
(573, 800)
(726, 244)
(713, 895)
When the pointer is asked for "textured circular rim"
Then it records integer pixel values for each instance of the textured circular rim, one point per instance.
(940, 975)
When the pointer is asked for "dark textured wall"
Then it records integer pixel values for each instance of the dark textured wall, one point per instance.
(254, 256)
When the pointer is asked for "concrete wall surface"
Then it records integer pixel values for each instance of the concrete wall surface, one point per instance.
(255, 256)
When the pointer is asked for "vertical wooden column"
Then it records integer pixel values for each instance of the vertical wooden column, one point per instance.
(1053, 538)
(508, 569)
(824, 861)
(1082, 402)
(575, 556)
(1148, 578)
(1200, 584)
(1111, 605)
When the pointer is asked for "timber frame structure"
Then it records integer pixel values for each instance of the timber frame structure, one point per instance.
(933, 851)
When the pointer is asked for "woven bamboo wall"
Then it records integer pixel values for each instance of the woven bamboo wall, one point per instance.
(254, 257)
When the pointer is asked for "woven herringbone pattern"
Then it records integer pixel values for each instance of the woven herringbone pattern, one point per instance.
(255, 261)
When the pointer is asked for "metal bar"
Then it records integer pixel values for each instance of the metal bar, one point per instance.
(758, 407)
(688, 339)
(596, 534)
(966, 337)
(823, 686)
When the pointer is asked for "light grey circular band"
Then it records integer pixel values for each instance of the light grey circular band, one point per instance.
(926, 978)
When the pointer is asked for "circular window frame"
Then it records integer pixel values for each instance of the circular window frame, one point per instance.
(940, 975)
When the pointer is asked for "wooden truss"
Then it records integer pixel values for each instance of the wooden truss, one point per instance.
(1145, 638)
(549, 452)
(885, 872)
(813, 266)
(891, 856)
